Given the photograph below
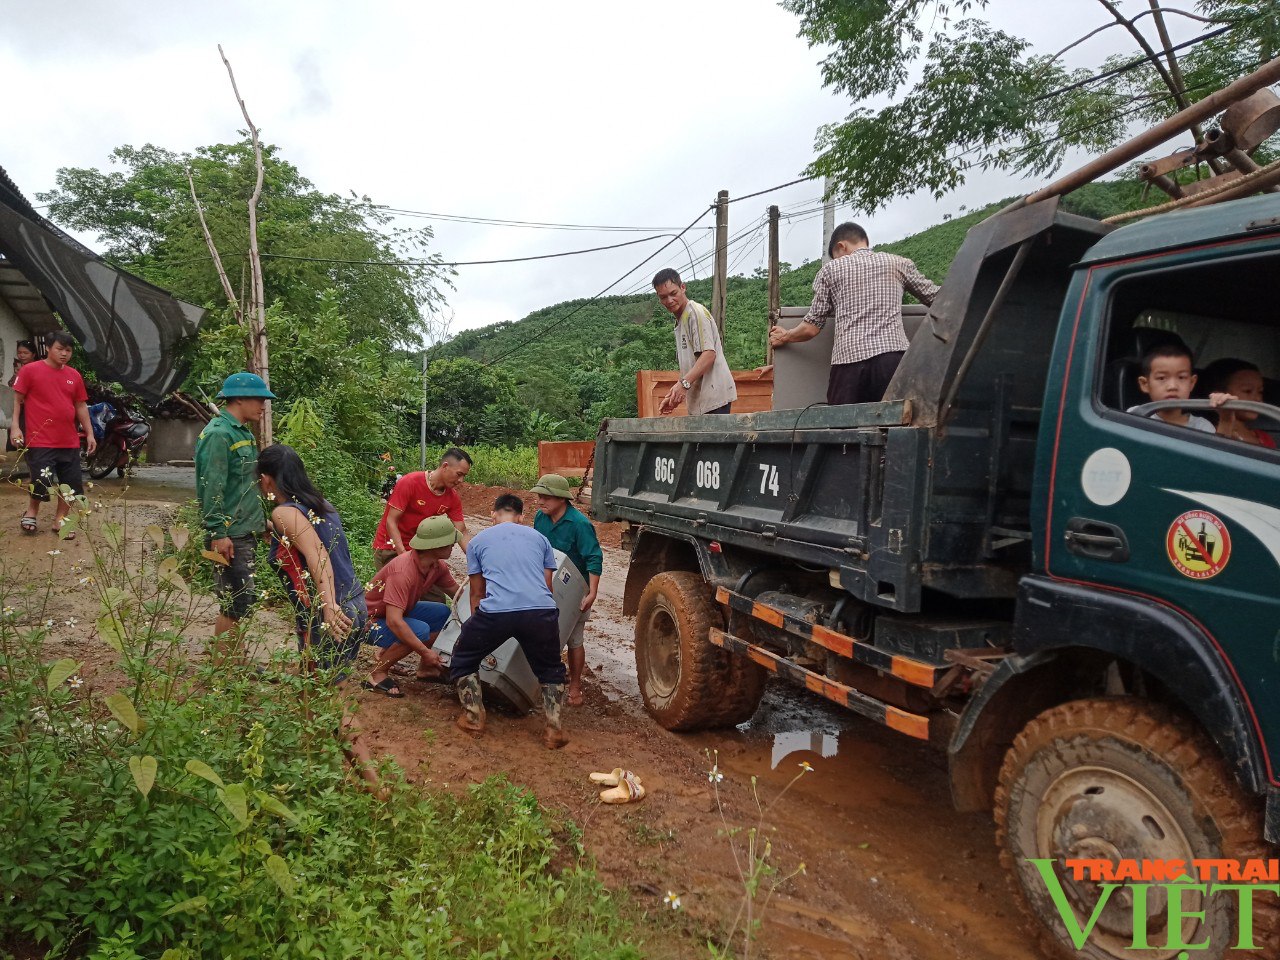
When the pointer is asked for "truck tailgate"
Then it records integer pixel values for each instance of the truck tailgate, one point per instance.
(836, 487)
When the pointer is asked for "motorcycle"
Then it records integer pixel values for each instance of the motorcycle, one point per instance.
(120, 434)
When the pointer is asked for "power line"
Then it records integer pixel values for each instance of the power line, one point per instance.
(729, 245)
(526, 224)
(781, 186)
(1135, 63)
(578, 309)
(432, 262)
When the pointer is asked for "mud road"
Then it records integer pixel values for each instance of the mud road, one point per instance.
(891, 872)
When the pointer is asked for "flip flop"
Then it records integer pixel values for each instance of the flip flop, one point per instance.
(387, 687)
(609, 779)
(57, 531)
(628, 790)
(28, 525)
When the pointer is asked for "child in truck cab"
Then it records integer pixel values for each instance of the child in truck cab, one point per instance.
(1168, 374)
(1238, 378)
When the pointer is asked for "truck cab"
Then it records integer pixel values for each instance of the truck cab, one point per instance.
(1010, 556)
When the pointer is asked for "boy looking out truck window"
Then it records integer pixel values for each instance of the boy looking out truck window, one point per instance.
(1168, 374)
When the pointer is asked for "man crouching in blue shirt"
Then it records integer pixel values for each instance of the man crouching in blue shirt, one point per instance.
(510, 567)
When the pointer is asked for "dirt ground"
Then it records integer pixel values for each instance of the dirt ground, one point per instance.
(891, 872)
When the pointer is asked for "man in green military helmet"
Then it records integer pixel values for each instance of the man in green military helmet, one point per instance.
(227, 486)
(571, 533)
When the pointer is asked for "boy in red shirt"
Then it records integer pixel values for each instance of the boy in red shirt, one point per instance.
(419, 495)
(51, 397)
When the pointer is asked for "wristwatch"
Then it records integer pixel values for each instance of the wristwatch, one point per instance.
(686, 384)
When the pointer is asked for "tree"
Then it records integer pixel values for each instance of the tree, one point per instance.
(985, 100)
(468, 402)
(145, 216)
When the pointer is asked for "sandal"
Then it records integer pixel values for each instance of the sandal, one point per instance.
(28, 524)
(387, 687)
(614, 776)
(57, 531)
(627, 790)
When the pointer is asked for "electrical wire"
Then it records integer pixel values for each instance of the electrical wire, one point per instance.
(781, 186)
(578, 309)
(524, 224)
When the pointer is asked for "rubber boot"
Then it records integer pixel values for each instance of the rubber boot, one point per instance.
(471, 719)
(552, 699)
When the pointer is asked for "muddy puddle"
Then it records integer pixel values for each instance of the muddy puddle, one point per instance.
(876, 808)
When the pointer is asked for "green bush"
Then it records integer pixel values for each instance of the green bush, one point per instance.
(198, 812)
(491, 466)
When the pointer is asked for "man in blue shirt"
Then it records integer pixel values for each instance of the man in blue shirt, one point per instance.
(571, 533)
(510, 567)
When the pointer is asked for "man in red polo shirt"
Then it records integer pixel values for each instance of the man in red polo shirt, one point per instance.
(419, 495)
(51, 395)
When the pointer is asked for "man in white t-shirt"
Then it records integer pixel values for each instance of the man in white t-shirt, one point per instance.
(706, 384)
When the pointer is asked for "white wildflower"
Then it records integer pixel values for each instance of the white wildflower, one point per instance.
(75, 683)
(714, 775)
(55, 553)
(806, 766)
(673, 900)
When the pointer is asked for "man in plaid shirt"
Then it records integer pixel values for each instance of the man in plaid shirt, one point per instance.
(862, 289)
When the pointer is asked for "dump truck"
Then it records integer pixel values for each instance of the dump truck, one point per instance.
(1009, 557)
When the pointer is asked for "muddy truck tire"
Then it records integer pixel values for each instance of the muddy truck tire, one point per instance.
(687, 682)
(1120, 778)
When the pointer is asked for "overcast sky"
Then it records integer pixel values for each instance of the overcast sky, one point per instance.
(567, 112)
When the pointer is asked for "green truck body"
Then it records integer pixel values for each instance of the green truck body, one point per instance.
(1080, 604)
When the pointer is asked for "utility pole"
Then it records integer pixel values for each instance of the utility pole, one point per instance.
(775, 280)
(828, 217)
(719, 285)
(422, 414)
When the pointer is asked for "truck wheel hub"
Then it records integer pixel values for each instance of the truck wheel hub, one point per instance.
(1095, 813)
(662, 651)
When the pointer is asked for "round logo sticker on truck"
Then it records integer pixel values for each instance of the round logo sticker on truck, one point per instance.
(1198, 544)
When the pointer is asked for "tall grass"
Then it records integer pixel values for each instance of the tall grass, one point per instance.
(491, 465)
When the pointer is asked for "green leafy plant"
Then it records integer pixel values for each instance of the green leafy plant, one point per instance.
(753, 857)
(165, 807)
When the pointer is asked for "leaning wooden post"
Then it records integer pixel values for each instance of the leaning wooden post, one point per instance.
(257, 312)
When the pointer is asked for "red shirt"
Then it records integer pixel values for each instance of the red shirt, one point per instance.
(414, 497)
(401, 584)
(49, 398)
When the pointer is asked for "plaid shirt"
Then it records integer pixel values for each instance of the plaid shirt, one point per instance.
(863, 291)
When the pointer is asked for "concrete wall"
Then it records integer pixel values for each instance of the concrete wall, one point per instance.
(172, 440)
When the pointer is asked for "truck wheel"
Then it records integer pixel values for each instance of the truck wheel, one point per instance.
(741, 695)
(1111, 779)
(687, 682)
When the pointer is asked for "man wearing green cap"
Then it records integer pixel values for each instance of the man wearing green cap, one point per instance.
(227, 485)
(403, 622)
(571, 533)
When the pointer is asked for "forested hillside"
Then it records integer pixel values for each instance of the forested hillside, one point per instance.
(579, 370)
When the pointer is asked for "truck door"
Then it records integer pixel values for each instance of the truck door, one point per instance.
(1173, 512)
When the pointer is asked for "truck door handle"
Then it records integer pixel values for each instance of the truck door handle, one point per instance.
(1096, 540)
